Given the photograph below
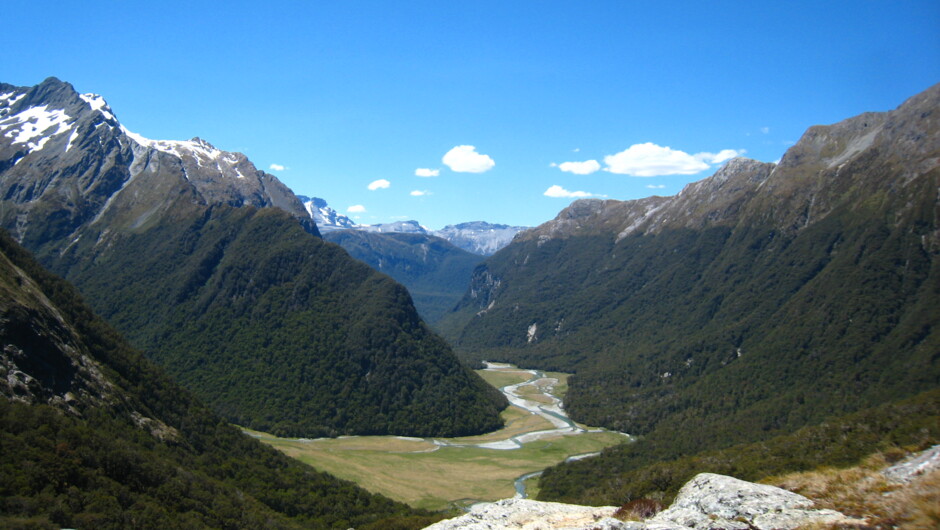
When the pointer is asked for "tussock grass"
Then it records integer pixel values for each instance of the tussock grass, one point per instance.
(863, 492)
(533, 393)
(501, 378)
(516, 421)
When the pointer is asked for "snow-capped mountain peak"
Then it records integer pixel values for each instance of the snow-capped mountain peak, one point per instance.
(325, 217)
(52, 125)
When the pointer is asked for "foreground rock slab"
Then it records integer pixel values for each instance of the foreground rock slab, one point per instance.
(708, 501)
(525, 514)
(720, 502)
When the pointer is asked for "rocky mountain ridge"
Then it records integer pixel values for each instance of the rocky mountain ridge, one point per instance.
(810, 180)
(100, 170)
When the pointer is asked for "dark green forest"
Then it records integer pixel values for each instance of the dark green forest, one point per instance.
(278, 330)
(654, 467)
(95, 467)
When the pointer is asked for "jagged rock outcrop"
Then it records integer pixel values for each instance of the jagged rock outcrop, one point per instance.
(707, 502)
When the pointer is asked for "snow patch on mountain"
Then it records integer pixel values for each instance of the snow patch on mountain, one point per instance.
(13, 97)
(480, 237)
(198, 148)
(35, 122)
(98, 103)
(404, 227)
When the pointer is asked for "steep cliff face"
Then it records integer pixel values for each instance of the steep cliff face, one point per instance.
(765, 296)
(43, 358)
(216, 270)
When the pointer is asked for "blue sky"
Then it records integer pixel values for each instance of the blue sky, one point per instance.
(339, 97)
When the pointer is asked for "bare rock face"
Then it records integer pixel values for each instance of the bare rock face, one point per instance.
(711, 501)
(916, 466)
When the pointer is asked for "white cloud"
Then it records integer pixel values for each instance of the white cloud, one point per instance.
(580, 168)
(465, 159)
(379, 184)
(356, 208)
(655, 186)
(651, 160)
(276, 167)
(559, 192)
(425, 172)
(721, 156)
(765, 130)
(420, 193)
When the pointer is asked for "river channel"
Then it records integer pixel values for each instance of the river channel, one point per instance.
(552, 412)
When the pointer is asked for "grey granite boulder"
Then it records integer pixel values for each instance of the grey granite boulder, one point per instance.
(713, 502)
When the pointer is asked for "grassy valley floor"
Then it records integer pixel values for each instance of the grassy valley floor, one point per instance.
(437, 473)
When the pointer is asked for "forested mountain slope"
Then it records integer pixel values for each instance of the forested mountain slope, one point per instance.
(216, 270)
(756, 301)
(95, 436)
(435, 272)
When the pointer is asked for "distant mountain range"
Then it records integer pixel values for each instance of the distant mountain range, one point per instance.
(216, 270)
(435, 265)
(477, 237)
(756, 301)
(435, 272)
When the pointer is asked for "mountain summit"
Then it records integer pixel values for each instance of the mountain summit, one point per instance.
(68, 162)
(216, 271)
